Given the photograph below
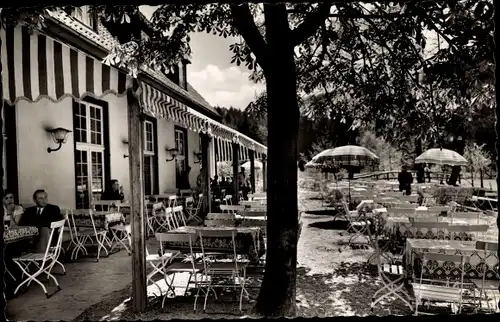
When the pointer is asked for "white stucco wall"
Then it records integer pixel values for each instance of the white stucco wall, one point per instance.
(166, 140)
(193, 146)
(37, 169)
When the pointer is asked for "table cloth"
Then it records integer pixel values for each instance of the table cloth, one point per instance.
(15, 234)
(249, 241)
(476, 262)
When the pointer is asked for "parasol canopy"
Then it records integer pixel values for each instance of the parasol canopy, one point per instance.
(348, 155)
(441, 157)
(257, 165)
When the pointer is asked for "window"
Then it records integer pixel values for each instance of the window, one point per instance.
(181, 161)
(149, 158)
(86, 17)
(89, 153)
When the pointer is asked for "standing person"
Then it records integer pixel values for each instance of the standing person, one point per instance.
(200, 181)
(243, 183)
(405, 180)
(113, 192)
(427, 171)
(184, 179)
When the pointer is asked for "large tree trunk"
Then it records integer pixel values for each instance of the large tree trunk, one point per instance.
(277, 293)
(497, 148)
(1, 162)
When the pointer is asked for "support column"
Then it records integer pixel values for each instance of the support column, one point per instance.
(264, 172)
(205, 167)
(251, 155)
(236, 185)
(138, 222)
(211, 154)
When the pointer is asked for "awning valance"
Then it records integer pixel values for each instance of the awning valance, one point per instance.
(37, 66)
(224, 151)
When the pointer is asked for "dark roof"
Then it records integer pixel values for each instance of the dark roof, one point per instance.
(197, 97)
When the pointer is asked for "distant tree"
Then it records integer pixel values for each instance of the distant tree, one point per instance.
(390, 157)
(479, 160)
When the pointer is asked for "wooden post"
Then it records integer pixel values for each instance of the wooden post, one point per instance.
(264, 172)
(135, 152)
(205, 167)
(4, 302)
(252, 169)
(236, 185)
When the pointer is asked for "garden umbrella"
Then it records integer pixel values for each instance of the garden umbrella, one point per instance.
(441, 157)
(346, 156)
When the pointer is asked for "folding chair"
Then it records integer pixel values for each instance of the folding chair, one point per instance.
(437, 293)
(178, 214)
(87, 232)
(120, 236)
(488, 289)
(158, 218)
(192, 209)
(189, 266)
(44, 262)
(358, 223)
(391, 274)
(215, 272)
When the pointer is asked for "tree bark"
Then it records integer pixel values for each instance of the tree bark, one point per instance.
(481, 177)
(1, 165)
(277, 294)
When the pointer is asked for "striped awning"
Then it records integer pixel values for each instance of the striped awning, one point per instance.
(37, 66)
(224, 151)
(160, 105)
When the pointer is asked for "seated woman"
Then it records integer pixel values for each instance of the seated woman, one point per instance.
(113, 192)
(12, 212)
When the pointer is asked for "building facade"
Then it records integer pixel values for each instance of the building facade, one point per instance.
(55, 78)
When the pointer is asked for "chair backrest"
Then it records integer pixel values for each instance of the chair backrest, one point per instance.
(219, 223)
(177, 237)
(254, 214)
(232, 208)
(178, 212)
(468, 228)
(189, 200)
(466, 214)
(400, 211)
(429, 224)
(438, 209)
(158, 206)
(103, 205)
(56, 232)
(408, 198)
(220, 216)
(228, 199)
(487, 246)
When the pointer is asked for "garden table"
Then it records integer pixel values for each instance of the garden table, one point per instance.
(249, 241)
(477, 261)
(102, 219)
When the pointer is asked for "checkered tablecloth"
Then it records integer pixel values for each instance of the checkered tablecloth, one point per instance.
(476, 261)
(102, 220)
(15, 234)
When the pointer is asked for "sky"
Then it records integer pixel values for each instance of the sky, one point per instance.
(212, 74)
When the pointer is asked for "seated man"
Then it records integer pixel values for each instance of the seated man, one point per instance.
(41, 216)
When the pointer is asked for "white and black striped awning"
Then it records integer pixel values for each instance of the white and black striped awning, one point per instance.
(36, 66)
(160, 105)
(224, 151)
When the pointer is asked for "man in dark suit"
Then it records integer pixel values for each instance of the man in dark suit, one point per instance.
(41, 216)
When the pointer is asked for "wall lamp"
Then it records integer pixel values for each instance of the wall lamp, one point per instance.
(173, 152)
(125, 142)
(198, 156)
(59, 136)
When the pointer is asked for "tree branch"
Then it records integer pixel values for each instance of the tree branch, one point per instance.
(244, 23)
(311, 23)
